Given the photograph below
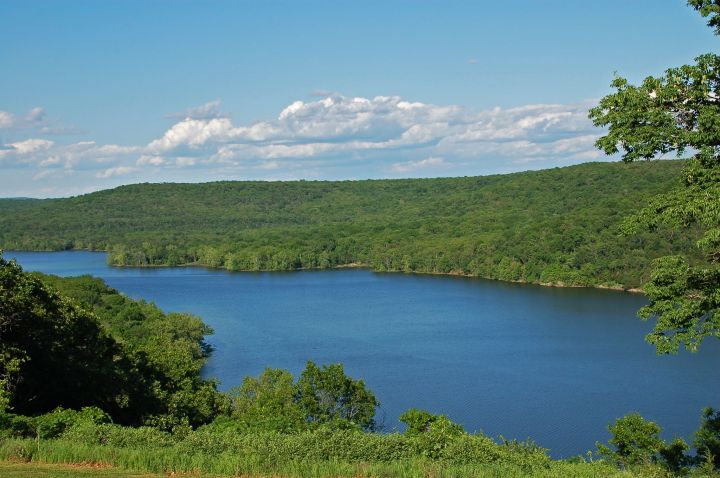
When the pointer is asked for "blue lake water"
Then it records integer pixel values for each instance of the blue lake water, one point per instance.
(557, 365)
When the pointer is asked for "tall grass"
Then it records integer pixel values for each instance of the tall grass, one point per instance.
(177, 460)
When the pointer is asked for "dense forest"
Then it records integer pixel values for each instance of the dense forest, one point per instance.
(91, 376)
(558, 226)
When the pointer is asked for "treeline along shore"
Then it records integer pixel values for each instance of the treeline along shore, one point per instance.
(557, 226)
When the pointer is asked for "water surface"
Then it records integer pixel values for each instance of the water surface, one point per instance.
(523, 361)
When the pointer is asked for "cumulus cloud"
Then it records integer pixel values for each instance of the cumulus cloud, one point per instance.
(23, 151)
(149, 160)
(30, 146)
(36, 115)
(6, 119)
(332, 135)
(35, 120)
(209, 110)
(115, 171)
(337, 125)
(410, 166)
(45, 154)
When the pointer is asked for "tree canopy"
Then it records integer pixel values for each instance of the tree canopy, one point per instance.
(322, 396)
(678, 112)
(75, 342)
(556, 226)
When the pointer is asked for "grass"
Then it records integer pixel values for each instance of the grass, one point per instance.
(56, 458)
(44, 470)
(54, 470)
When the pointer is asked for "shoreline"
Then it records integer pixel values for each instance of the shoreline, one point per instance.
(359, 265)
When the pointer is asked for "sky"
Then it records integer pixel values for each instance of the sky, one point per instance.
(95, 94)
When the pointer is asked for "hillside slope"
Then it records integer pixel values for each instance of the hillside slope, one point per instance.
(552, 226)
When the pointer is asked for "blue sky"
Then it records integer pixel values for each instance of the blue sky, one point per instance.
(100, 93)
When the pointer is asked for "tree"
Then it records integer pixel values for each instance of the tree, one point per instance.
(678, 112)
(708, 8)
(327, 395)
(268, 402)
(707, 438)
(634, 441)
(53, 353)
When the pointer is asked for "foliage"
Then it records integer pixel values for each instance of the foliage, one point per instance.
(322, 396)
(708, 8)
(268, 402)
(634, 441)
(433, 433)
(421, 421)
(557, 226)
(673, 456)
(677, 112)
(327, 395)
(91, 346)
(322, 451)
(707, 438)
(55, 423)
(219, 449)
(53, 353)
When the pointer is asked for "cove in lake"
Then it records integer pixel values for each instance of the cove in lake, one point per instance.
(556, 365)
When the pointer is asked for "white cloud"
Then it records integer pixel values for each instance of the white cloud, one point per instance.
(35, 115)
(410, 166)
(333, 136)
(115, 171)
(6, 119)
(36, 121)
(46, 154)
(209, 110)
(350, 126)
(150, 160)
(31, 146)
(192, 133)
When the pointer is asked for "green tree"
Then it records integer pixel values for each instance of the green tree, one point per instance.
(74, 342)
(167, 352)
(268, 402)
(678, 112)
(707, 438)
(53, 353)
(634, 441)
(432, 433)
(709, 9)
(417, 421)
(327, 395)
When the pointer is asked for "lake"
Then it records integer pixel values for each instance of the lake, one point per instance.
(557, 365)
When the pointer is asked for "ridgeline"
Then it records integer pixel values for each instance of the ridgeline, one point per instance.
(557, 226)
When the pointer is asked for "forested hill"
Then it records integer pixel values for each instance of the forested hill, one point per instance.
(551, 226)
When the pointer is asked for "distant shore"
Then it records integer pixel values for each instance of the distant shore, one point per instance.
(359, 265)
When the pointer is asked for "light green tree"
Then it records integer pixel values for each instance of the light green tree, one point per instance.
(327, 395)
(268, 402)
(634, 441)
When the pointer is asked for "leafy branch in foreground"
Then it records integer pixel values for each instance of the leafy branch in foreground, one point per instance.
(677, 112)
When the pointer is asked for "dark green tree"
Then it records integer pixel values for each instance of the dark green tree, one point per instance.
(678, 112)
(53, 353)
(707, 438)
(709, 9)
(168, 352)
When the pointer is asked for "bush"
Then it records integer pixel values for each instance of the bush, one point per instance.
(634, 439)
